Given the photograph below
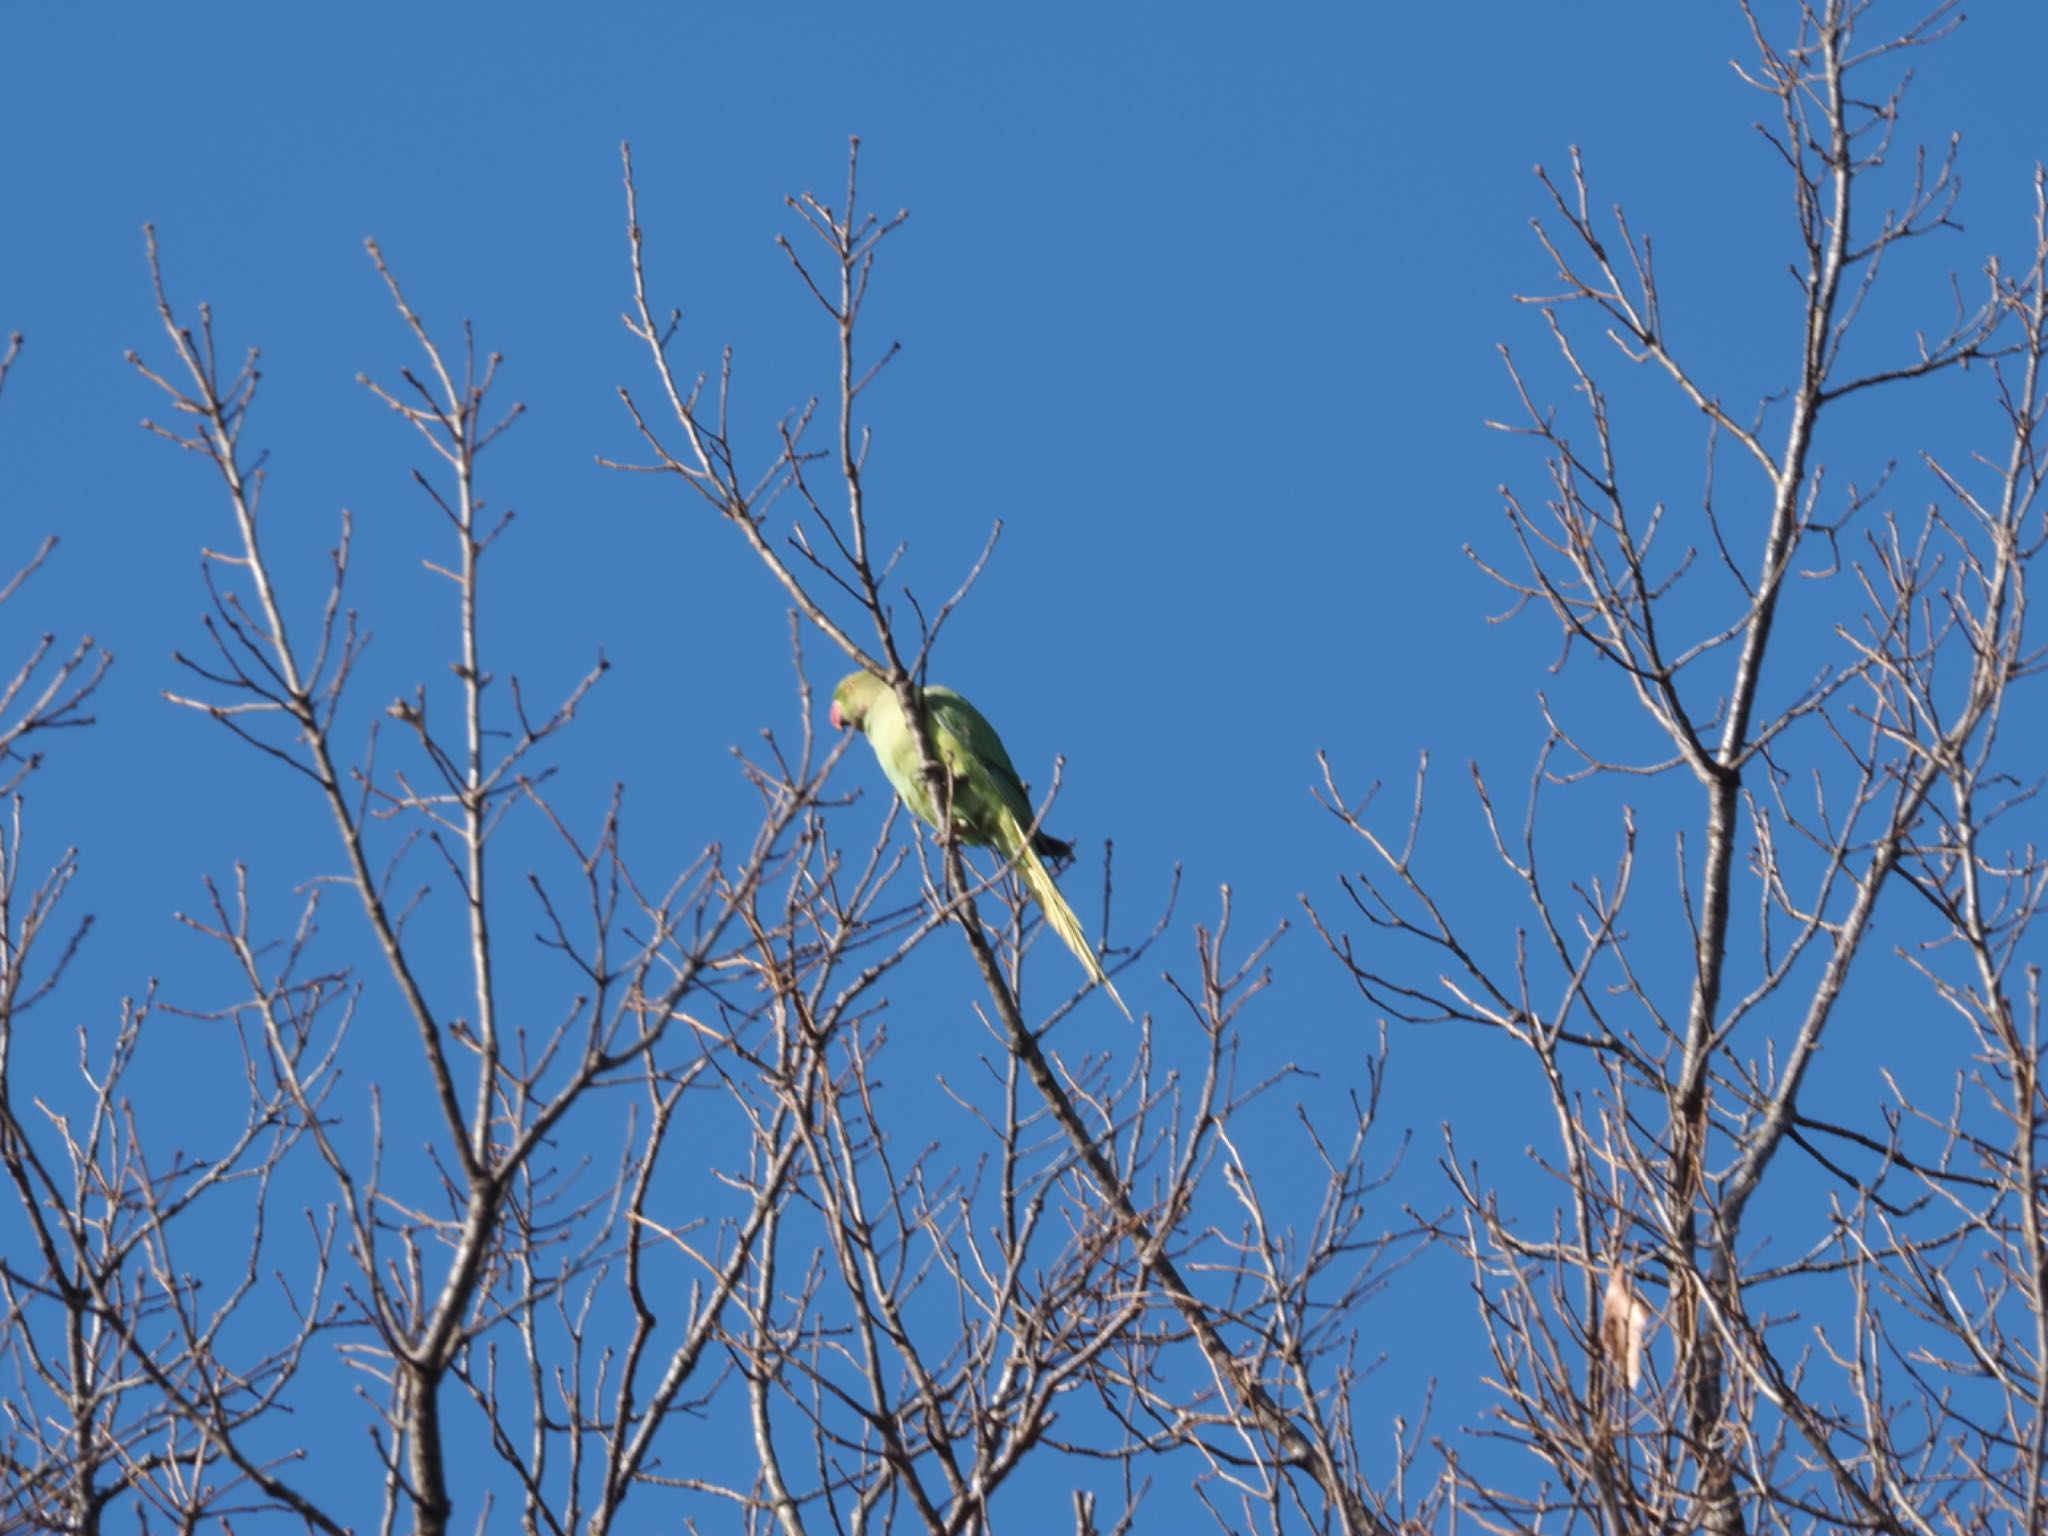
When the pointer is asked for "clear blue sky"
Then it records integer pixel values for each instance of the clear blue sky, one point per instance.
(1201, 301)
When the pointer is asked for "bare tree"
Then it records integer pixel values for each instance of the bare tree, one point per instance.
(101, 1328)
(544, 1302)
(1117, 1161)
(1741, 1312)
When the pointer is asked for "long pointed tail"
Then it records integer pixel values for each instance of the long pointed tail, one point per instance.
(1064, 923)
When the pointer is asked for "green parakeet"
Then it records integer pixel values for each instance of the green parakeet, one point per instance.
(990, 806)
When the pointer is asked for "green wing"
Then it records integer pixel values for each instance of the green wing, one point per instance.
(969, 743)
(989, 797)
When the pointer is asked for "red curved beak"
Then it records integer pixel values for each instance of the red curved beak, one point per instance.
(837, 723)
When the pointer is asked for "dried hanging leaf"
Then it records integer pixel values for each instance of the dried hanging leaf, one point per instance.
(1626, 1323)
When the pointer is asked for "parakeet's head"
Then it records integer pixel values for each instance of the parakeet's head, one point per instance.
(853, 698)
